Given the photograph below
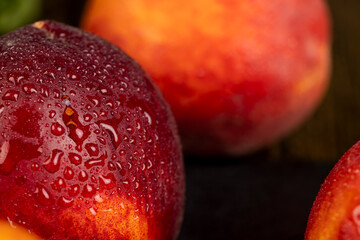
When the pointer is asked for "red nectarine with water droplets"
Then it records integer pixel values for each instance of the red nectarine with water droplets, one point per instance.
(335, 214)
(88, 146)
(238, 75)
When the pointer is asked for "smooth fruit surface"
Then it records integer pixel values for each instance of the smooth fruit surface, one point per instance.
(8, 232)
(237, 74)
(88, 146)
(335, 214)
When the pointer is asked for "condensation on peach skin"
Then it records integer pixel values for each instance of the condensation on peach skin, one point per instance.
(11, 232)
(112, 217)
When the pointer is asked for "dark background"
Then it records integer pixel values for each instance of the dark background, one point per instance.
(269, 194)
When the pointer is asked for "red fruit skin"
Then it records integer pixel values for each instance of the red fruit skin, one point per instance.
(88, 146)
(335, 214)
(238, 75)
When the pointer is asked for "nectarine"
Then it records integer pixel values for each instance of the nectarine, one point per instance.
(88, 146)
(237, 74)
(335, 214)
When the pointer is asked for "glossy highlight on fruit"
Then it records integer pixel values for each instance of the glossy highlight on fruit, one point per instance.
(335, 214)
(88, 147)
(238, 75)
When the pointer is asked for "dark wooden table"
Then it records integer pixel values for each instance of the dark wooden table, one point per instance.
(268, 195)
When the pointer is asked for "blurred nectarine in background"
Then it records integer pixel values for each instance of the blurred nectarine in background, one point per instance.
(237, 74)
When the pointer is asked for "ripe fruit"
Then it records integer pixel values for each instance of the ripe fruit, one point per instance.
(14, 232)
(237, 74)
(335, 214)
(89, 148)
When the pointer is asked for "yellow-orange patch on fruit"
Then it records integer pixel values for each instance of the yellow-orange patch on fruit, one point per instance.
(335, 206)
(69, 111)
(309, 81)
(330, 218)
(113, 218)
(8, 232)
(38, 24)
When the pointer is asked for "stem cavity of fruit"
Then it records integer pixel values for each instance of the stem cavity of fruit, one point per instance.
(41, 26)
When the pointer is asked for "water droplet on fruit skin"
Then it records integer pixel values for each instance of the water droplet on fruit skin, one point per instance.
(43, 196)
(2, 108)
(101, 140)
(58, 184)
(4, 150)
(149, 164)
(44, 91)
(103, 113)
(40, 100)
(130, 129)
(108, 181)
(35, 167)
(16, 78)
(83, 176)
(111, 166)
(52, 164)
(75, 158)
(105, 91)
(77, 132)
(57, 93)
(96, 100)
(138, 125)
(11, 95)
(114, 135)
(65, 202)
(122, 171)
(68, 173)
(29, 88)
(93, 179)
(126, 184)
(93, 211)
(87, 117)
(96, 161)
(110, 103)
(88, 191)
(92, 149)
(148, 117)
(57, 129)
(74, 190)
(98, 198)
(52, 114)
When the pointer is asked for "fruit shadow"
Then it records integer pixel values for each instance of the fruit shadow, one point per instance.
(249, 198)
